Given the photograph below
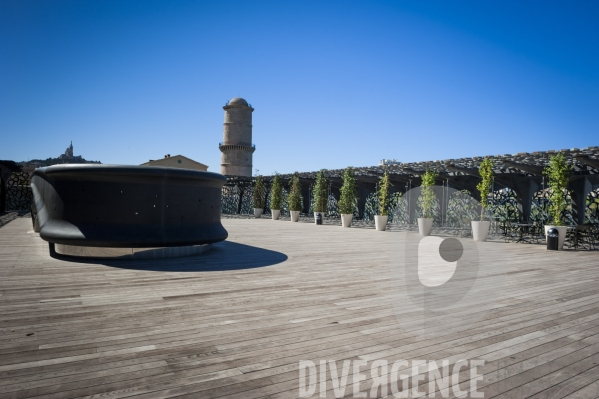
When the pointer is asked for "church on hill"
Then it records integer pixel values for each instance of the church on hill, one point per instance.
(69, 157)
(68, 154)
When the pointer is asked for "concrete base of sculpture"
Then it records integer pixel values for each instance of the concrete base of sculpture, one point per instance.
(127, 253)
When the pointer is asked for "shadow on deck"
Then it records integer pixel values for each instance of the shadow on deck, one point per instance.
(223, 256)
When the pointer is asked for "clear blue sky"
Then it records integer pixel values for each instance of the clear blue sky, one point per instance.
(333, 84)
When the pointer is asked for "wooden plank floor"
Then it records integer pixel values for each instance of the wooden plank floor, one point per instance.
(235, 322)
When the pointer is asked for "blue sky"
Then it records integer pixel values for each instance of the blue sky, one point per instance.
(333, 84)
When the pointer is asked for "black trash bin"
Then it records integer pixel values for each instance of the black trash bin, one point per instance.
(319, 218)
(552, 239)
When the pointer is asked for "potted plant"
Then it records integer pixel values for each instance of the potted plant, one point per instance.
(426, 201)
(347, 200)
(295, 197)
(380, 221)
(258, 196)
(480, 229)
(276, 197)
(558, 172)
(321, 196)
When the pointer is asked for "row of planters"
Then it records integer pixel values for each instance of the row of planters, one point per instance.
(347, 200)
(294, 199)
(276, 201)
(558, 171)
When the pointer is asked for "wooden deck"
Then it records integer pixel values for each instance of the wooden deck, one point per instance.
(235, 322)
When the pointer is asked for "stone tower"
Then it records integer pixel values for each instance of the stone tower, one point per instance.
(237, 147)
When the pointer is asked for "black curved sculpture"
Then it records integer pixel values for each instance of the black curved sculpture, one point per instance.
(127, 206)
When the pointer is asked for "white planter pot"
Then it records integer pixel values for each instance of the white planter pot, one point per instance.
(480, 230)
(257, 212)
(346, 220)
(316, 216)
(295, 215)
(276, 213)
(425, 225)
(380, 222)
(562, 235)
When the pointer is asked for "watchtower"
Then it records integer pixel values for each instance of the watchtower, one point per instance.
(237, 147)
